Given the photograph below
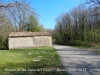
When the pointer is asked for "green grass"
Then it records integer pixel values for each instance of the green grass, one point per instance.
(80, 47)
(96, 51)
(93, 49)
(36, 61)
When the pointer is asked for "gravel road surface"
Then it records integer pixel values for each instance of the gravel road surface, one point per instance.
(77, 61)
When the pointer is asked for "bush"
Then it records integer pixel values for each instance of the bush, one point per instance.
(92, 44)
(58, 40)
(80, 43)
(3, 43)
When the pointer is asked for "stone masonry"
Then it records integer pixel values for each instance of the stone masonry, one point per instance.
(29, 39)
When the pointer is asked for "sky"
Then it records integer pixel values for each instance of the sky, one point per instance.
(49, 10)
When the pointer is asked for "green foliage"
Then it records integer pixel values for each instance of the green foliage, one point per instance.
(33, 25)
(58, 40)
(78, 28)
(93, 44)
(97, 51)
(3, 43)
(5, 29)
(19, 17)
(25, 59)
(80, 43)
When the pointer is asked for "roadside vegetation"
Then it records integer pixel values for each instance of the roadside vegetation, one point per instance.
(97, 51)
(34, 61)
(93, 49)
(80, 26)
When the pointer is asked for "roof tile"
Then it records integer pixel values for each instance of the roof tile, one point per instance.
(25, 34)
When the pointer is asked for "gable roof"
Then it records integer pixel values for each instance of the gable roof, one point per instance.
(28, 34)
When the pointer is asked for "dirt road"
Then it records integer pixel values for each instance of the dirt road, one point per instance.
(78, 62)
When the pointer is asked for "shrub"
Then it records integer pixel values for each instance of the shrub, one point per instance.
(3, 43)
(92, 44)
(80, 43)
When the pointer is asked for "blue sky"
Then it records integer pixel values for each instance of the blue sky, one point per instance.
(50, 9)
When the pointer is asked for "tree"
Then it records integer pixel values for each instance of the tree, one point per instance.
(33, 25)
(18, 12)
(14, 16)
(93, 2)
(78, 27)
(5, 28)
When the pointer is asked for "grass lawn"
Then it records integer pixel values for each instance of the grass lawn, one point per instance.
(36, 61)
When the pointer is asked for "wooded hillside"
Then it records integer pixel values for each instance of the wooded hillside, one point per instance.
(80, 26)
